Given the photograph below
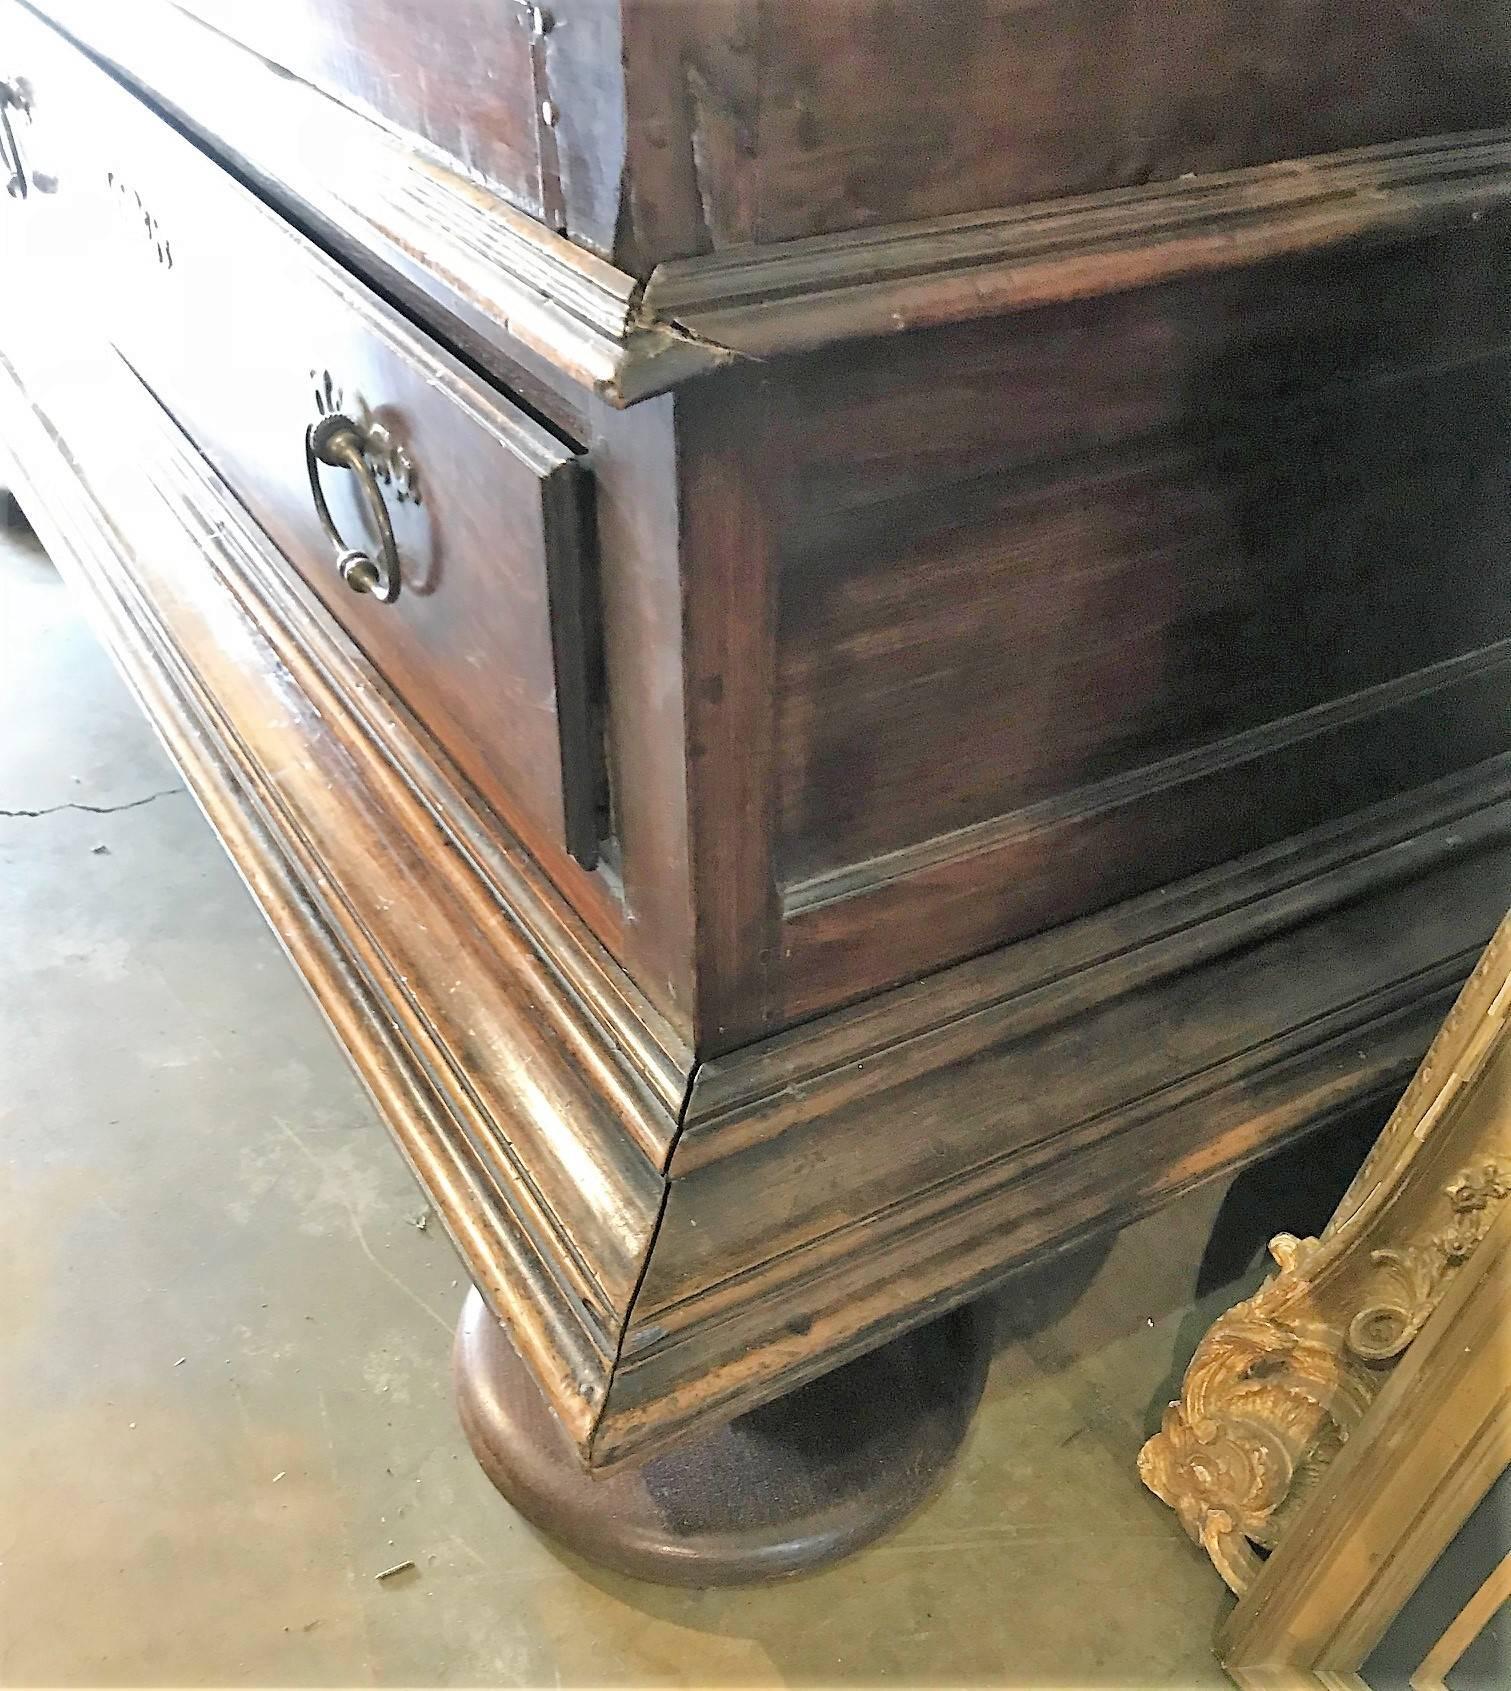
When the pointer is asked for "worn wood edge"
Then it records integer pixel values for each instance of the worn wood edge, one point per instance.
(515, 1253)
(742, 1342)
(731, 1330)
(441, 239)
(1053, 1164)
(759, 301)
(766, 1087)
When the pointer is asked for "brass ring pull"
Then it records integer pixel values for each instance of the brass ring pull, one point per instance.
(14, 166)
(336, 440)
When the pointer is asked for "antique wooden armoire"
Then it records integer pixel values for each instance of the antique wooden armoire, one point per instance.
(848, 639)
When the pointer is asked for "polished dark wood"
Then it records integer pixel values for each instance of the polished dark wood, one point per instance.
(460, 75)
(1043, 676)
(827, 1188)
(1061, 607)
(779, 1491)
(500, 466)
(513, 291)
(818, 1188)
(680, 128)
(422, 939)
(1229, 563)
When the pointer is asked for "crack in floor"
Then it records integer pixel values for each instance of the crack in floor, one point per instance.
(96, 809)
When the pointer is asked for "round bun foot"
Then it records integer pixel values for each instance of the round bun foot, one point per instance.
(781, 1490)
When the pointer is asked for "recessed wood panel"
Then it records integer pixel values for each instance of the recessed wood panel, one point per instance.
(1082, 602)
(1030, 644)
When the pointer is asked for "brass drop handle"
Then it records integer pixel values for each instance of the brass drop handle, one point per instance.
(336, 440)
(13, 95)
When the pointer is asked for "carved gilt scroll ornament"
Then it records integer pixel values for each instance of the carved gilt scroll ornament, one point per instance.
(1280, 1381)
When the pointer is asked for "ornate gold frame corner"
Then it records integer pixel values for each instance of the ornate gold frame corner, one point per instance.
(1280, 1383)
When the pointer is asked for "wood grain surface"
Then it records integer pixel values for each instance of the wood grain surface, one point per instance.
(840, 1190)
(1073, 604)
(1046, 752)
(689, 128)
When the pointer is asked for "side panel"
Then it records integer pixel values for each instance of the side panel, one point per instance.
(1075, 604)
(767, 120)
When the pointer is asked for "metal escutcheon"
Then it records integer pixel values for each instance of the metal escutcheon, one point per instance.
(337, 441)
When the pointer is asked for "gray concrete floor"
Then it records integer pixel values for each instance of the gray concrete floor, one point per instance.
(224, 1334)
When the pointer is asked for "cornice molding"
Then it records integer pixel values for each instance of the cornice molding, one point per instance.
(441, 241)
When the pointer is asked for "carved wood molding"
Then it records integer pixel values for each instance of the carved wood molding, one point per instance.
(762, 300)
(508, 284)
(1279, 1382)
(333, 807)
(1027, 988)
(1008, 1142)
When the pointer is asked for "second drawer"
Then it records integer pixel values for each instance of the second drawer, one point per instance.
(452, 546)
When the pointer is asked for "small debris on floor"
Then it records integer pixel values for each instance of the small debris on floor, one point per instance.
(100, 850)
(397, 1568)
(421, 1221)
(279, 1475)
(181, 1361)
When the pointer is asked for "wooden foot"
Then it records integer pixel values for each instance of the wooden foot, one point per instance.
(779, 1491)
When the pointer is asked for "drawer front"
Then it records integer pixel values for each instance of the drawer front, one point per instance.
(458, 75)
(253, 338)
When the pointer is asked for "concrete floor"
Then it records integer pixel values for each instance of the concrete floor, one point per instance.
(223, 1353)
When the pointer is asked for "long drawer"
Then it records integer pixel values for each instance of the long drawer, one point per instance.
(443, 526)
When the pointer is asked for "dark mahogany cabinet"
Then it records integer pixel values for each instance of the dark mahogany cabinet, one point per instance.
(847, 640)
